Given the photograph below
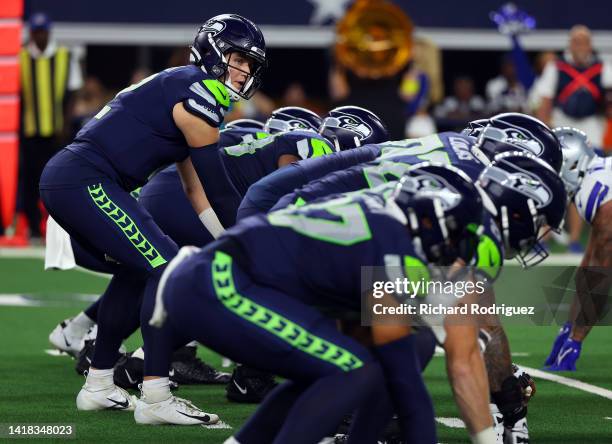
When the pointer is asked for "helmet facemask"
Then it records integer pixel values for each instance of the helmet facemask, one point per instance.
(521, 223)
(577, 156)
(252, 80)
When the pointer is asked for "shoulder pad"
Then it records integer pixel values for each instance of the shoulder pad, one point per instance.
(209, 100)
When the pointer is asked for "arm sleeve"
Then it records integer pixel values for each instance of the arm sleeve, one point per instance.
(334, 183)
(524, 70)
(265, 193)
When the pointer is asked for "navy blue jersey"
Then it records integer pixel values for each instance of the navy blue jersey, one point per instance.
(135, 133)
(246, 163)
(264, 194)
(315, 252)
(235, 136)
(392, 163)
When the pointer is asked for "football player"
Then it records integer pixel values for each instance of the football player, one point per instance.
(588, 180)
(258, 282)
(392, 158)
(171, 116)
(164, 199)
(502, 133)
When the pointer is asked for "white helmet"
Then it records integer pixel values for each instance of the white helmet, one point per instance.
(577, 155)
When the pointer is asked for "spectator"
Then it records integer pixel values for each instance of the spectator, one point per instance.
(463, 106)
(573, 91)
(573, 88)
(49, 73)
(505, 93)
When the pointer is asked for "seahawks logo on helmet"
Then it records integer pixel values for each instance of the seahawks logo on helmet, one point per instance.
(213, 27)
(362, 129)
(297, 123)
(532, 188)
(428, 185)
(516, 136)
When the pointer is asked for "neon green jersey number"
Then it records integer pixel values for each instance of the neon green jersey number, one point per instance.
(339, 221)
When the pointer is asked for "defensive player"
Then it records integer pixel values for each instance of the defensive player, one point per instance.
(588, 180)
(172, 116)
(317, 251)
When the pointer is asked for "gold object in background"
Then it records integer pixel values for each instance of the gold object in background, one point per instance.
(374, 39)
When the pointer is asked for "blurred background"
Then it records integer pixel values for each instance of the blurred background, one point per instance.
(422, 66)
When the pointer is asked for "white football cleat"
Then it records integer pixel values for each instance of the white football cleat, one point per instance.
(68, 338)
(172, 411)
(111, 398)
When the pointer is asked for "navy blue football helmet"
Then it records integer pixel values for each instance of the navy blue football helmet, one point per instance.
(245, 123)
(444, 208)
(528, 196)
(291, 118)
(222, 35)
(511, 132)
(352, 126)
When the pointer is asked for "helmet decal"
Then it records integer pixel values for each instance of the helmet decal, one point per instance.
(214, 27)
(355, 125)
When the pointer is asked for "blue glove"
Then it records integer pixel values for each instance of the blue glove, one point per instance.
(512, 21)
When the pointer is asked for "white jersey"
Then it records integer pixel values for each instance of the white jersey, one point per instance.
(594, 190)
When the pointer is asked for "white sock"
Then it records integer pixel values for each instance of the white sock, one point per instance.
(83, 320)
(138, 353)
(231, 440)
(100, 379)
(156, 390)
(192, 344)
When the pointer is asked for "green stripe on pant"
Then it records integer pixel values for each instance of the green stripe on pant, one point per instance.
(274, 323)
(126, 224)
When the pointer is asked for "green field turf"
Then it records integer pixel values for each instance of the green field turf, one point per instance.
(39, 388)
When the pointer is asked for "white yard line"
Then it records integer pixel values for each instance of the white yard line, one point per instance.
(25, 253)
(574, 383)
(453, 423)
(18, 300)
(219, 425)
(24, 300)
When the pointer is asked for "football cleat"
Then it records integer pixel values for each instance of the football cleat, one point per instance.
(567, 357)
(562, 336)
(83, 359)
(68, 337)
(171, 411)
(517, 434)
(498, 423)
(187, 368)
(129, 371)
(110, 398)
(248, 385)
